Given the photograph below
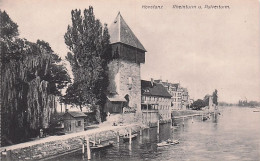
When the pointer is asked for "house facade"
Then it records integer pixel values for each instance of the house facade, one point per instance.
(128, 53)
(185, 98)
(73, 121)
(180, 95)
(156, 102)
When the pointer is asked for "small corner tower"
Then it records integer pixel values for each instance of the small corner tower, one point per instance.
(124, 70)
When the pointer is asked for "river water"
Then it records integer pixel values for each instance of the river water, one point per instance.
(233, 135)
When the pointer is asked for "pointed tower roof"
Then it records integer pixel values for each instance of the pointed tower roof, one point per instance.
(121, 33)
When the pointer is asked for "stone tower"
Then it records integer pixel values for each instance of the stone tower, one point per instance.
(124, 70)
(211, 106)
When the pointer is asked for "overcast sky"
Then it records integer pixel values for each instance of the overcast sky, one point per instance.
(202, 49)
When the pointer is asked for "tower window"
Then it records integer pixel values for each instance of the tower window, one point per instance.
(130, 82)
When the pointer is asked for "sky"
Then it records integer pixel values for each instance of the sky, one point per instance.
(203, 50)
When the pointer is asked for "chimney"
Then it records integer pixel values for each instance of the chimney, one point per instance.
(152, 81)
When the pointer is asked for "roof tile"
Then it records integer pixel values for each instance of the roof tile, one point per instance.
(156, 89)
(121, 33)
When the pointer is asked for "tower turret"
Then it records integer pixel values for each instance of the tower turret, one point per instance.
(124, 70)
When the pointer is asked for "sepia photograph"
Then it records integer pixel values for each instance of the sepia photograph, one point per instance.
(132, 80)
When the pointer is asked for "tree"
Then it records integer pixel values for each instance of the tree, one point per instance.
(31, 77)
(206, 100)
(89, 55)
(8, 28)
(198, 104)
(215, 97)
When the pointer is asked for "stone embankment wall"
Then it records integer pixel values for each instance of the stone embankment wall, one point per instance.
(129, 118)
(180, 113)
(63, 144)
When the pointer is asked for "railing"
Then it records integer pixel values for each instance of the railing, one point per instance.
(150, 102)
(129, 110)
(151, 111)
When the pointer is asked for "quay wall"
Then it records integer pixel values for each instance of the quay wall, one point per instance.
(59, 145)
(180, 113)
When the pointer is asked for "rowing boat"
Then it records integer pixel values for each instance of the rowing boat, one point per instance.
(167, 143)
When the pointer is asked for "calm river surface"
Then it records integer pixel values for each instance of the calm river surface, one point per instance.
(233, 135)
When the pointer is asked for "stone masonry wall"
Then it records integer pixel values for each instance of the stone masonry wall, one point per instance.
(120, 71)
(132, 70)
(63, 144)
(113, 75)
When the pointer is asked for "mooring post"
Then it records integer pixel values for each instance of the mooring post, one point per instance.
(183, 121)
(192, 118)
(130, 136)
(83, 146)
(158, 130)
(94, 143)
(99, 142)
(158, 127)
(117, 136)
(171, 122)
(88, 149)
(141, 138)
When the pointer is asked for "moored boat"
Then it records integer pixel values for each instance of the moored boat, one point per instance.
(168, 142)
(126, 138)
(205, 118)
(101, 146)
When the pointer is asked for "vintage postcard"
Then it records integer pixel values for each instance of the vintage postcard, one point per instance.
(130, 80)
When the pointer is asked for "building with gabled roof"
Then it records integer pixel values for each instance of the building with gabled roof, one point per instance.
(180, 95)
(73, 121)
(154, 89)
(155, 97)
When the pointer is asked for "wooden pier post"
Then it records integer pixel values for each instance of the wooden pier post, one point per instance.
(88, 149)
(130, 136)
(83, 146)
(171, 122)
(117, 136)
(182, 121)
(192, 118)
(141, 134)
(99, 142)
(94, 143)
(158, 127)
(158, 131)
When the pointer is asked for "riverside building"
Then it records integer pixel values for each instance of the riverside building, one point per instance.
(180, 95)
(156, 102)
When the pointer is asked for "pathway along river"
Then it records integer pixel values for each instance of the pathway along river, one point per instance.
(233, 135)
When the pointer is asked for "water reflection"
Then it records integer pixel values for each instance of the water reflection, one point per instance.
(233, 135)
